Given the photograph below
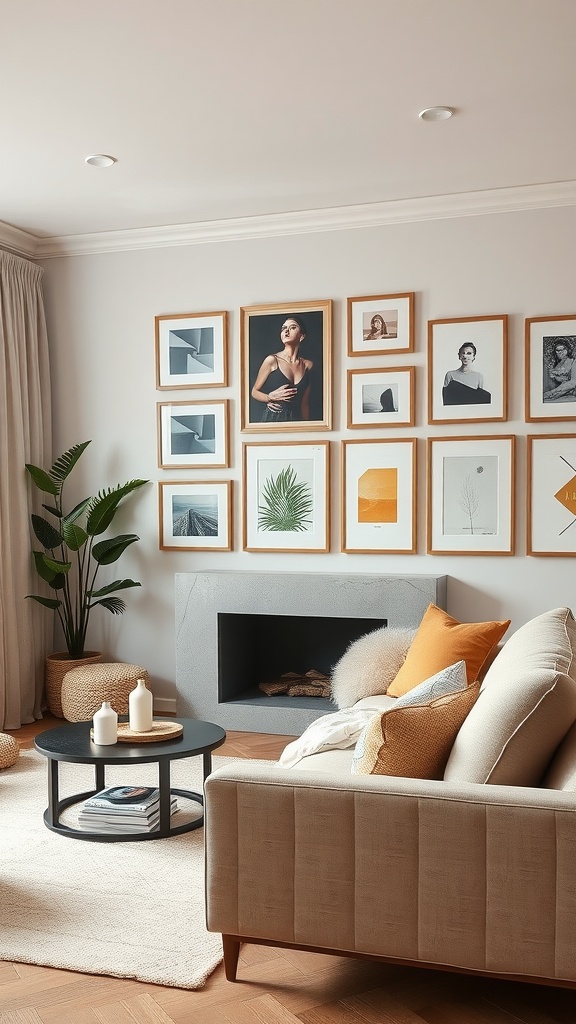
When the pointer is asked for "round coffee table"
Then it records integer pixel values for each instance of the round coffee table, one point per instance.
(72, 743)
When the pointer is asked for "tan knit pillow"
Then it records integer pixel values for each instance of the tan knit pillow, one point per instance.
(415, 741)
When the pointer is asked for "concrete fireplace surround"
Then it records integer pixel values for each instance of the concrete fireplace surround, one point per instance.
(201, 597)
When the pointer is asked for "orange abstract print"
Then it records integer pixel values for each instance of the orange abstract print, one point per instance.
(567, 495)
(378, 496)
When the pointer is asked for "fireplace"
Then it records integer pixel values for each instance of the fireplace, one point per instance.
(235, 630)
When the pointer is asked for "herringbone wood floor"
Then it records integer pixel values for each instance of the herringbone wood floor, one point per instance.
(276, 986)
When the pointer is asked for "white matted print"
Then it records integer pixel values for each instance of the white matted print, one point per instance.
(195, 516)
(193, 435)
(552, 495)
(378, 496)
(191, 350)
(551, 368)
(286, 490)
(381, 398)
(467, 369)
(378, 324)
(471, 495)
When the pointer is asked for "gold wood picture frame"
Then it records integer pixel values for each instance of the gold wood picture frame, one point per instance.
(286, 503)
(195, 515)
(193, 435)
(381, 398)
(550, 344)
(378, 496)
(286, 367)
(470, 495)
(380, 324)
(191, 350)
(476, 390)
(551, 505)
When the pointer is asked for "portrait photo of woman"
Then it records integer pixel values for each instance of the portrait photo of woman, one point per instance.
(465, 384)
(286, 361)
(379, 328)
(559, 378)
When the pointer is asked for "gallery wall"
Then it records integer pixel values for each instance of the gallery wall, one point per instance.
(101, 311)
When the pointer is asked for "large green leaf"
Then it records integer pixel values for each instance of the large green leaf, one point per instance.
(74, 535)
(78, 510)
(65, 463)
(113, 604)
(45, 567)
(42, 480)
(103, 506)
(48, 602)
(111, 588)
(48, 536)
(53, 510)
(108, 551)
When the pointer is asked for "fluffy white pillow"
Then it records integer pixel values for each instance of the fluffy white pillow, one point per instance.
(369, 664)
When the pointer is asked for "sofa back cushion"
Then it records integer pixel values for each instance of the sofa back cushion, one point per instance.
(526, 706)
(442, 640)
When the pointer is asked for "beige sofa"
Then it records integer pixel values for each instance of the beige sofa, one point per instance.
(475, 872)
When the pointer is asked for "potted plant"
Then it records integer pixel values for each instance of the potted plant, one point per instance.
(70, 561)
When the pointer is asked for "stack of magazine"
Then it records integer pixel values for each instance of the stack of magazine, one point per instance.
(123, 809)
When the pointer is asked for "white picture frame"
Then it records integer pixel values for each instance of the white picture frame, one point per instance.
(550, 381)
(551, 505)
(381, 397)
(191, 350)
(479, 396)
(195, 516)
(394, 312)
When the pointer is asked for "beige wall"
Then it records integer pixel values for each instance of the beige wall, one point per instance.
(101, 312)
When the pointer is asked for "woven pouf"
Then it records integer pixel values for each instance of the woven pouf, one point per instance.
(9, 750)
(84, 688)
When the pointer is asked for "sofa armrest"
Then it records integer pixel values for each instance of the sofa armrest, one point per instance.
(473, 876)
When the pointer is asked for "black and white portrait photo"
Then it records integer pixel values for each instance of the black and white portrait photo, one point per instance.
(550, 343)
(467, 369)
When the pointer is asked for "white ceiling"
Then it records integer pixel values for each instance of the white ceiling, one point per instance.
(220, 109)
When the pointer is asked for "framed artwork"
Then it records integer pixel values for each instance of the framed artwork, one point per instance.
(470, 495)
(195, 516)
(286, 496)
(550, 368)
(286, 366)
(378, 496)
(192, 435)
(379, 324)
(552, 495)
(191, 350)
(381, 398)
(467, 369)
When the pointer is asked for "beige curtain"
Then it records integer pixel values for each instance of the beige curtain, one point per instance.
(25, 436)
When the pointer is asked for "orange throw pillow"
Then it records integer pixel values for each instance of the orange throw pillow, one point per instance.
(441, 641)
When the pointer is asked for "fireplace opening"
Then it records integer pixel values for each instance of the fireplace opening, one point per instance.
(254, 649)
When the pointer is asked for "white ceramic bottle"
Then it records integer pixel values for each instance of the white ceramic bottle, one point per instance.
(140, 713)
(105, 723)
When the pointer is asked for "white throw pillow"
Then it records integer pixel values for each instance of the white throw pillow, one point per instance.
(369, 664)
(448, 680)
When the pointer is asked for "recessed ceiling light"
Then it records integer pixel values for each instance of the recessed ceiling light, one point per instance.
(436, 113)
(100, 160)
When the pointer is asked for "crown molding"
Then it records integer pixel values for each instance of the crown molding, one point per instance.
(18, 242)
(366, 215)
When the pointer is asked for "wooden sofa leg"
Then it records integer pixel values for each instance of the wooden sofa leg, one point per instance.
(231, 947)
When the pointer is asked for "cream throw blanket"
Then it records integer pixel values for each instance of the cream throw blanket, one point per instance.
(338, 730)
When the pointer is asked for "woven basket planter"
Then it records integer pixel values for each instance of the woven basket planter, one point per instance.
(55, 668)
(85, 687)
(9, 750)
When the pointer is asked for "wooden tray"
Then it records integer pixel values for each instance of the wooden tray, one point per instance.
(159, 731)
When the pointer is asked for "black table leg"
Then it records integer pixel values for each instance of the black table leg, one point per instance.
(207, 757)
(53, 796)
(99, 776)
(165, 796)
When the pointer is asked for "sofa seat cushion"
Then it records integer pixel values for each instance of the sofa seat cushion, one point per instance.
(442, 640)
(413, 741)
(526, 706)
(338, 762)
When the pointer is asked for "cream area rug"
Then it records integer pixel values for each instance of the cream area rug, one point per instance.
(130, 910)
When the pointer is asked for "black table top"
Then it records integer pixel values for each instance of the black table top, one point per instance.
(71, 742)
